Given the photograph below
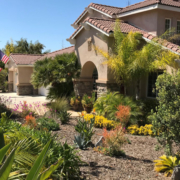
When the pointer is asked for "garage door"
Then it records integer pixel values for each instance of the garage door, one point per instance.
(43, 91)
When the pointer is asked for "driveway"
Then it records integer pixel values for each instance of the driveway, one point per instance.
(29, 99)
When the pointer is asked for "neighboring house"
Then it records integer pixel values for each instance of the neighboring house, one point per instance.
(20, 67)
(95, 27)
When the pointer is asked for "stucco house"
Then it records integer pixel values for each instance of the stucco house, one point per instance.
(95, 27)
(20, 67)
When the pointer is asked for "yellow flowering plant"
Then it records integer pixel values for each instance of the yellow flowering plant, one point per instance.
(100, 121)
(143, 130)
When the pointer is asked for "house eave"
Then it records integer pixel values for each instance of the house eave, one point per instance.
(157, 44)
(149, 8)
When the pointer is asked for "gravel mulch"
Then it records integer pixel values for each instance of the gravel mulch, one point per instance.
(136, 165)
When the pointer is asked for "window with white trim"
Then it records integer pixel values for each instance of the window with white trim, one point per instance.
(151, 91)
(178, 27)
(167, 24)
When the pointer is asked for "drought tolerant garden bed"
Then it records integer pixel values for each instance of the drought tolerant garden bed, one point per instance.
(117, 140)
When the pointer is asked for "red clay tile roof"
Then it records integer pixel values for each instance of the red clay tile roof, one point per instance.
(111, 10)
(30, 59)
(148, 3)
(108, 26)
(24, 59)
(61, 51)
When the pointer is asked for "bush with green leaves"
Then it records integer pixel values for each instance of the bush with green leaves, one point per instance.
(146, 106)
(107, 104)
(64, 117)
(3, 82)
(166, 119)
(57, 72)
(70, 167)
(47, 123)
(59, 105)
(30, 142)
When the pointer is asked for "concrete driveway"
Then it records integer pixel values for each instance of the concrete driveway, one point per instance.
(30, 99)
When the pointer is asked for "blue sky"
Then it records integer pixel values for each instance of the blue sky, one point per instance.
(48, 21)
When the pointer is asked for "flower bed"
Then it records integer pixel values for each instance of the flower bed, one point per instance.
(143, 130)
(100, 121)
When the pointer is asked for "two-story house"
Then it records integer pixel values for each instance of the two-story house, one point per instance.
(95, 27)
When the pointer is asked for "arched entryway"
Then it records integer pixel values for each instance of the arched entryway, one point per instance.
(86, 84)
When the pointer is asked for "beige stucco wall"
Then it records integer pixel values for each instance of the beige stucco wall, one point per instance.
(10, 76)
(24, 75)
(11, 65)
(147, 21)
(84, 56)
(162, 15)
(93, 14)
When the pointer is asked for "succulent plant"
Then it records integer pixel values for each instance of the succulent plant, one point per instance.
(81, 142)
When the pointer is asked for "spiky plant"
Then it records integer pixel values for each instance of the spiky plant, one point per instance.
(166, 164)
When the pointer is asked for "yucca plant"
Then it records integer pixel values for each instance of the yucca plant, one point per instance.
(166, 164)
(34, 173)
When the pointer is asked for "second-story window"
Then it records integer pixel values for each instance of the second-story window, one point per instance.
(167, 24)
(178, 27)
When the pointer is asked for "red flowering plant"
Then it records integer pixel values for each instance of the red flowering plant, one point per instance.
(113, 141)
(123, 114)
(30, 121)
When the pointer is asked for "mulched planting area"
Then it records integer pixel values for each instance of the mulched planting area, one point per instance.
(136, 165)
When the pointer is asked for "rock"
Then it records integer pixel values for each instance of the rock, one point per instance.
(176, 173)
(100, 142)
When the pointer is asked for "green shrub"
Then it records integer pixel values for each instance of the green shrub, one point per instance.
(64, 117)
(70, 167)
(47, 123)
(59, 105)
(107, 104)
(61, 89)
(146, 106)
(166, 119)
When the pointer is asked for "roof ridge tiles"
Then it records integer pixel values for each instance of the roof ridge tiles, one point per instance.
(98, 18)
(60, 50)
(26, 54)
(104, 5)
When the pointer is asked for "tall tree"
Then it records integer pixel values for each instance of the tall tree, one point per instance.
(22, 46)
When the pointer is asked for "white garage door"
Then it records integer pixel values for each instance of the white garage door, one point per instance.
(43, 91)
(15, 76)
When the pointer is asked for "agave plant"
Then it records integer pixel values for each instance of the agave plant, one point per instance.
(81, 142)
(166, 164)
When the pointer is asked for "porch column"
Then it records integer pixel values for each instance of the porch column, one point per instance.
(104, 85)
(83, 86)
(10, 81)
